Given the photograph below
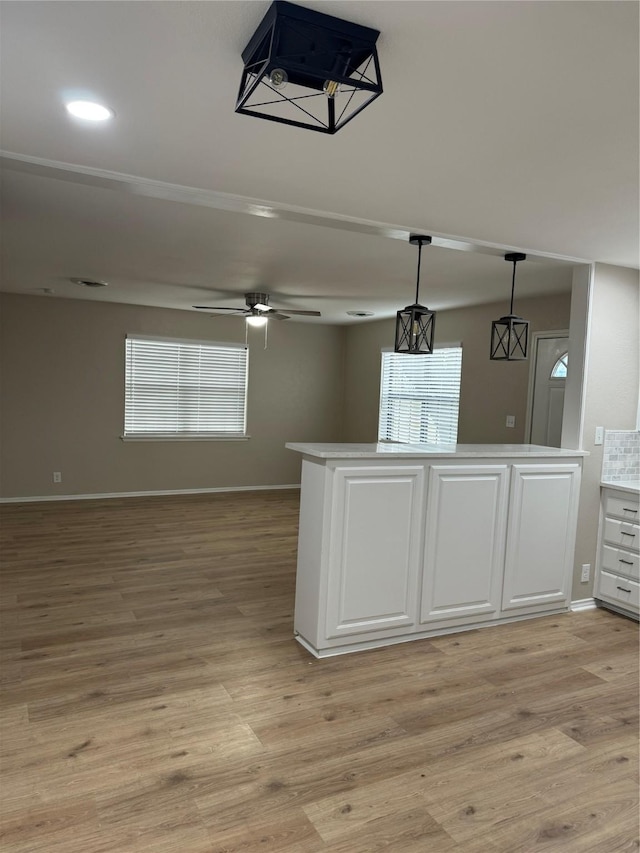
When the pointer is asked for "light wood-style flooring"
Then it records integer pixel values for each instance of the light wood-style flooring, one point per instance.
(154, 701)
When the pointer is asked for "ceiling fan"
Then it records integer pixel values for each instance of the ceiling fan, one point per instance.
(258, 309)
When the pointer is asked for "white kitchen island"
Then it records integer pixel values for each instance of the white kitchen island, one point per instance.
(399, 542)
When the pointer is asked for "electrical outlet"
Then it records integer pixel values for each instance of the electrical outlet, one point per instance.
(511, 420)
(586, 569)
(599, 436)
(57, 476)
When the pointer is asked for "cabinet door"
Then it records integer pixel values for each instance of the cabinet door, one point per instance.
(541, 536)
(464, 543)
(374, 551)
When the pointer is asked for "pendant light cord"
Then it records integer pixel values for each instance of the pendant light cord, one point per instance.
(418, 277)
(513, 284)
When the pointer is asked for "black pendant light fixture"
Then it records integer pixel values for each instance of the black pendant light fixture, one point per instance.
(415, 323)
(510, 334)
(308, 69)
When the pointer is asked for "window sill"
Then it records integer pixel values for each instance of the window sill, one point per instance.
(185, 437)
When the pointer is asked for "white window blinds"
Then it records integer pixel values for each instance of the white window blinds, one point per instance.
(185, 388)
(419, 396)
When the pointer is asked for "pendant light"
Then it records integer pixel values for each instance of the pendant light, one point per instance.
(415, 323)
(510, 334)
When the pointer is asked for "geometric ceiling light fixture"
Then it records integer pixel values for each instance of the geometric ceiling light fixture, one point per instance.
(415, 324)
(510, 334)
(308, 69)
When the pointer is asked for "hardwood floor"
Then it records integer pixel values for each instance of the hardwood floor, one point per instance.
(154, 701)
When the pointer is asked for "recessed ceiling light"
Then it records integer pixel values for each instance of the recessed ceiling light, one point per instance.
(89, 110)
(360, 313)
(89, 282)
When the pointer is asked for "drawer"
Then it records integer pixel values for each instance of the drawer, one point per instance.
(621, 533)
(621, 591)
(621, 562)
(623, 507)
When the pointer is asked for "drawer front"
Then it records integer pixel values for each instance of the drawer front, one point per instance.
(620, 590)
(621, 562)
(627, 508)
(621, 533)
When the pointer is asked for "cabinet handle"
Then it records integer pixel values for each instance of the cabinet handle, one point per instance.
(628, 509)
(624, 533)
(626, 562)
(622, 589)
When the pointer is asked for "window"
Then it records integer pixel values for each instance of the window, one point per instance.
(560, 367)
(184, 389)
(419, 396)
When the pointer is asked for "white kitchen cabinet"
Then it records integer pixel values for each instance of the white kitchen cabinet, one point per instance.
(464, 543)
(398, 542)
(374, 552)
(617, 580)
(543, 511)
(359, 552)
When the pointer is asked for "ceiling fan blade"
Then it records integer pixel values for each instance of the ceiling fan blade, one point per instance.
(260, 309)
(214, 308)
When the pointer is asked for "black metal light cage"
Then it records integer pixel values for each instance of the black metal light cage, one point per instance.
(331, 65)
(415, 324)
(510, 334)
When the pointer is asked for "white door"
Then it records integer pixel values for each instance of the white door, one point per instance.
(549, 376)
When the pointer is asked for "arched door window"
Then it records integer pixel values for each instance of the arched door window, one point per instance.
(559, 370)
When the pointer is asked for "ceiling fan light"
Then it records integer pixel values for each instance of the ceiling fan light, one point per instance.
(256, 320)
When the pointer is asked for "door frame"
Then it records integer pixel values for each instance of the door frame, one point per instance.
(535, 338)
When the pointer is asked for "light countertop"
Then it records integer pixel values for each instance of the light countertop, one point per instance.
(630, 486)
(413, 451)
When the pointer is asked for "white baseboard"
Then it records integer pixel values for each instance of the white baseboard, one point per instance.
(93, 497)
(583, 604)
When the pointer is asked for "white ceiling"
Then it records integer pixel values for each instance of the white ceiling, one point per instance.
(512, 125)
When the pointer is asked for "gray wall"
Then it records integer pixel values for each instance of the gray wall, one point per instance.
(611, 392)
(490, 390)
(62, 371)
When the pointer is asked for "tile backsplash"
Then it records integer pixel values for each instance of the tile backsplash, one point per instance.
(621, 457)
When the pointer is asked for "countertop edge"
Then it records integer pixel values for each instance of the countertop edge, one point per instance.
(630, 486)
(359, 451)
